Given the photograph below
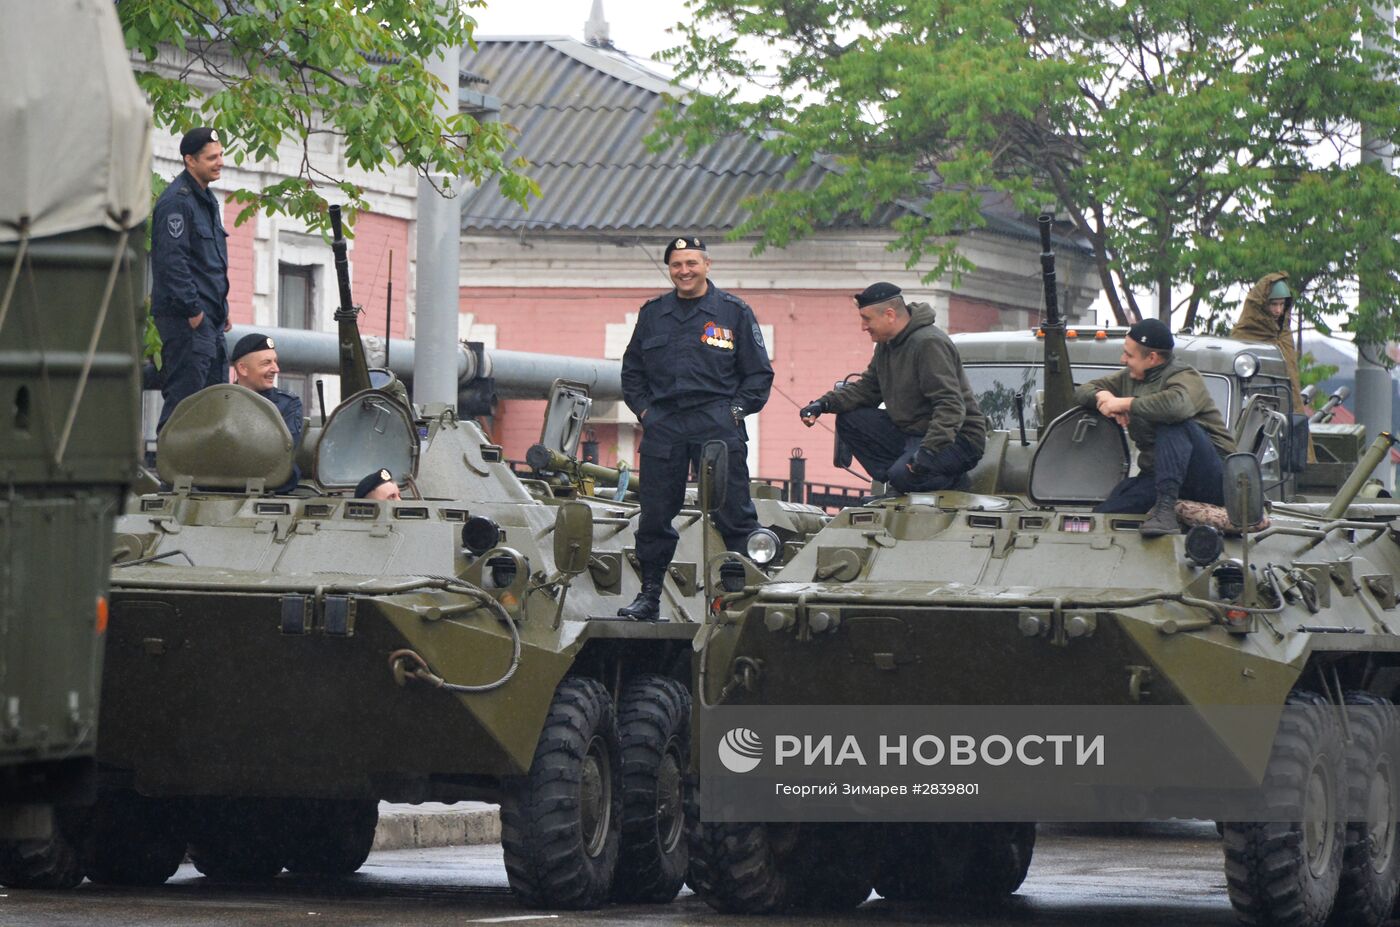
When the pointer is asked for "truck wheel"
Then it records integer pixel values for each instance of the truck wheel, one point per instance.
(767, 868)
(134, 840)
(1286, 873)
(330, 838)
(46, 863)
(997, 858)
(923, 862)
(561, 823)
(654, 729)
(238, 839)
(1371, 858)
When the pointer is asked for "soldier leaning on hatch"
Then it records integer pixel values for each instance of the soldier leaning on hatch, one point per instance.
(696, 365)
(1180, 435)
(189, 274)
(931, 431)
(1267, 318)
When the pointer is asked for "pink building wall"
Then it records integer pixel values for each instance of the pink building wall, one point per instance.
(375, 237)
(240, 264)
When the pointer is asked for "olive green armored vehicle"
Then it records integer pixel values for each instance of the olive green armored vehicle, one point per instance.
(1016, 593)
(71, 308)
(279, 664)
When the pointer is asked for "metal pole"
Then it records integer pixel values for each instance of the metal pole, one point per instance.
(439, 231)
(1373, 382)
(797, 476)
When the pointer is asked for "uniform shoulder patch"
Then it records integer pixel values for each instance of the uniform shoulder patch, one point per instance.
(757, 335)
(175, 224)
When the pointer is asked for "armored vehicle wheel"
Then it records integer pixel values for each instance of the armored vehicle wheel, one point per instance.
(327, 837)
(654, 729)
(561, 823)
(766, 868)
(133, 840)
(1287, 873)
(1371, 859)
(238, 839)
(49, 863)
(904, 860)
(928, 861)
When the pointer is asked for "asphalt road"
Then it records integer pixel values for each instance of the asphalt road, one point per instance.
(1161, 875)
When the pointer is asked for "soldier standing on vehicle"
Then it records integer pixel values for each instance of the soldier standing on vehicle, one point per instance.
(1267, 318)
(189, 274)
(931, 432)
(255, 367)
(696, 365)
(1180, 434)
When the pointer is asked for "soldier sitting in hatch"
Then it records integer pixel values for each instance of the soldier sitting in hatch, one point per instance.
(1180, 435)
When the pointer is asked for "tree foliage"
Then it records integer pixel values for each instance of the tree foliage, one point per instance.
(268, 71)
(1195, 144)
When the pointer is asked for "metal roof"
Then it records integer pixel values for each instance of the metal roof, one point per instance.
(582, 115)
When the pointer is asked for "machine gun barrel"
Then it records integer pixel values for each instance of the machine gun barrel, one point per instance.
(1059, 378)
(541, 458)
(354, 366)
(1324, 414)
(1361, 473)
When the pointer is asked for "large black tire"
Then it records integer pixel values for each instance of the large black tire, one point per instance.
(653, 723)
(46, 863)
(1371, 859)
(133, 840)
(767, 868)
(561, 824)
(328, 837)
(925, 862)
(1286, 874)
(238, 839)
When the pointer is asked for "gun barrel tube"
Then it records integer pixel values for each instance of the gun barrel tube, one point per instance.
(1360, 474)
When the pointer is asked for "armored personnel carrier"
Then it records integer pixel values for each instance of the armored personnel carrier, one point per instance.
(71, 292)
(279, 664)
(1016, 593)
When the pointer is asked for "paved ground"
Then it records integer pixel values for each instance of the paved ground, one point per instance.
(1162, 876)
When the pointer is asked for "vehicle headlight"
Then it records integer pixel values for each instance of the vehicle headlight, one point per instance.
(1246, 365)
(763, 546)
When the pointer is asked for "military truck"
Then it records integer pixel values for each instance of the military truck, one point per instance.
(71, 309)
(1016, 593)
(279, 664)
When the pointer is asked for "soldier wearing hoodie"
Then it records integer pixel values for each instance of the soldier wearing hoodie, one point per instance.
(1267, 318)
(931, 432)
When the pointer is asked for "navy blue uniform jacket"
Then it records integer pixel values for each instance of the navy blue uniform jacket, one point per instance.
(684, 355)
(189, 254)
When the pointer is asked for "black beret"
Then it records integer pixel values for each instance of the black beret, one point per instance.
(877, 293)
(683, 243)
(196, 139)
(250, 343)
(372, 482)
(1152, 334)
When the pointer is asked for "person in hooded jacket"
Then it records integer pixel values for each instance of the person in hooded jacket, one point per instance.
(1267, 319)
(930, 432)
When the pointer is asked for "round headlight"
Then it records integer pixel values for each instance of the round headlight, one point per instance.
(763, 546)
(1246, 365)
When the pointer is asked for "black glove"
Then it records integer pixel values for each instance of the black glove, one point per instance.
(813, 409)
(738, 413)
(922, 464)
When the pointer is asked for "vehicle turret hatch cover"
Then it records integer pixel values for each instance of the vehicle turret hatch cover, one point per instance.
(224, 436)
(1079, 460)
(370, 430)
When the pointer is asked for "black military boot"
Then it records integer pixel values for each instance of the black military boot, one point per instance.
(647, 605)
(1162, 519)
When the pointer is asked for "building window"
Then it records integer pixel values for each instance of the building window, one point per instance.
(295, 286)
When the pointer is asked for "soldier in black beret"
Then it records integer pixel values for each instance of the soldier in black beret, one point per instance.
(189, 274)
(930, 432)
(379, 485)
(255, 366)
(1179, 433)
(696, 365)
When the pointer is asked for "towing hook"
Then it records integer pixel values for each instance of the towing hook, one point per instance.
(408, 666)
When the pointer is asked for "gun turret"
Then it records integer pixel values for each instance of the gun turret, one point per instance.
(583, 476)
(1059, 378)
(1369, 461)
(354, 367)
